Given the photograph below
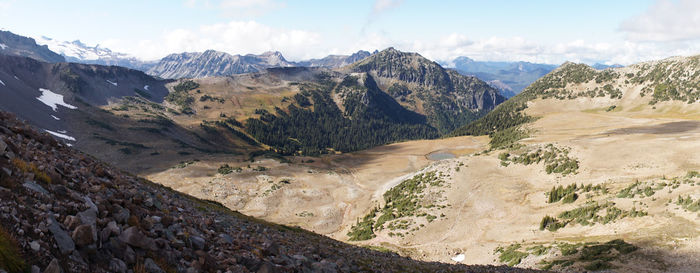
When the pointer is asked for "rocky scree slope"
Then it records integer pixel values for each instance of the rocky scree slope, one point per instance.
(63, 211)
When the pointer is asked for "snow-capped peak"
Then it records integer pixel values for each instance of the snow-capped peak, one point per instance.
(79, 51)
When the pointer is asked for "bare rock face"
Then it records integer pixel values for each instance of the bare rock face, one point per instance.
(64, 241)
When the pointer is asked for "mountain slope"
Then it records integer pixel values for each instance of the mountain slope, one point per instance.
(214, 63)
(448, 99)
(640, 85)
(72, 100)
(16, 45)
(78, 52)
(66, 212)
(509, 77)
(335, 61)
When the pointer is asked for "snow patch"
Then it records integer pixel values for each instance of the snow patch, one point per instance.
(3, 84)
(16, 78)
(55, 117)
(145, 87)
(3, 46)
(63, 136)
(53, 100)
(69, 145)
(459, 258)
(113, 83)
(62, 131)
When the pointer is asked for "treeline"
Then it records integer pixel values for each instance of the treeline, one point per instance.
(302, 130)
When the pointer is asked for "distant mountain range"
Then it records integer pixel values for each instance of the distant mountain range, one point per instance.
(600, 66)
(508, 77)
(187, 64)
(79, 52)
(336, 60)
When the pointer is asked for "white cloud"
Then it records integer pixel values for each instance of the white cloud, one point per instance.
(385, 5)
(666, 20)
(248, 8)
(235, 37)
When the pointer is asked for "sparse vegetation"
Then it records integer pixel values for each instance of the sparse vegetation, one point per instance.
(588, 214)
(23, 166)
(511, 254)
(688, 203)
(181, 97)
(204, 98)
(556, 159)
(225, 169)
(401, 202)
(589, 256)
(569, 194)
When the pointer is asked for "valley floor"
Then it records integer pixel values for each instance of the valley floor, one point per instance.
(482, 204)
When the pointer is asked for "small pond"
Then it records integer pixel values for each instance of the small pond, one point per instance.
(435, 156)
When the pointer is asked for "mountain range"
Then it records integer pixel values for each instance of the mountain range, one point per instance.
(508, 77)
(401, 95)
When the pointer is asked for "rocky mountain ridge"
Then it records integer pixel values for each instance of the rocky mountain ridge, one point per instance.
(447, 98)
(214, 63)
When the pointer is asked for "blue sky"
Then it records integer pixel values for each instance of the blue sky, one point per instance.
(620, 31)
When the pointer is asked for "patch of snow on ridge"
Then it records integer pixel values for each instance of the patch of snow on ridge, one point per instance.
(459, 258)
(145, 87)
(113, 83)
(3, 46)
(3, 84)
(55, 117)
(63, 136)
(53, 100)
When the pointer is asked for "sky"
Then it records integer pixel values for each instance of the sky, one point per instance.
(542, 31)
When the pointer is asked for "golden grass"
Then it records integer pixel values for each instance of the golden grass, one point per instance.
(10, 257)
(31, 168)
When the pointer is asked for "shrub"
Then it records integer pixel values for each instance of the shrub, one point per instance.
(510, 255)
(225, 169)
(10, 256)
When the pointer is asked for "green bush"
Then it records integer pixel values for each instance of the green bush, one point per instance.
(225, 169)
(510, 255)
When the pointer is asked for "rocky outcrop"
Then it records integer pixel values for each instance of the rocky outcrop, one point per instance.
(90, 217)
